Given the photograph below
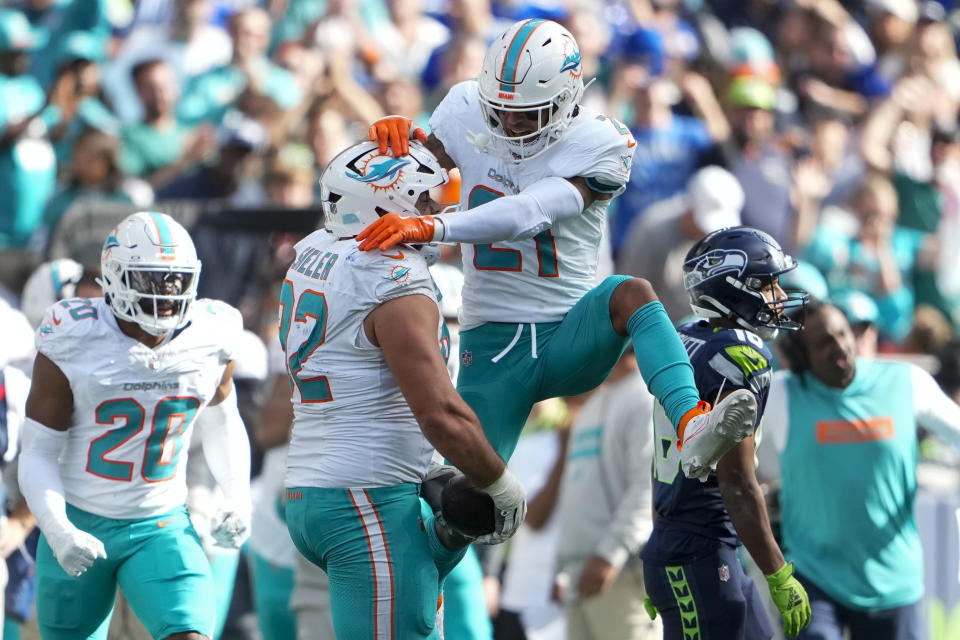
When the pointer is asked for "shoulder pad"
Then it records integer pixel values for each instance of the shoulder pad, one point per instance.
(65, 323)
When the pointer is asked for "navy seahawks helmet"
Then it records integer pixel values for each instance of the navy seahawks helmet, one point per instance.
(724, 273)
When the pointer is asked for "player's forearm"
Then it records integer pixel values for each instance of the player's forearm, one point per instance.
(744, 501)
(516, 217)
(39, 475)
(227, 450)
(460, 439)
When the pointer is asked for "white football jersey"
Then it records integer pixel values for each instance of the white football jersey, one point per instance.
(133, 407)
(352, 426)
(540, 279)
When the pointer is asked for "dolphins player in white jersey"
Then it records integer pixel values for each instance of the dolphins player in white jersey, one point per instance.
(538, 171)
(120, 383)
(372, 398)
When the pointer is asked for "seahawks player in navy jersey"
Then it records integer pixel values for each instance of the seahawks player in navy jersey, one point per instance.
(690, 564)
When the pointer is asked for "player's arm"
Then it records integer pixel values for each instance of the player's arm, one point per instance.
(226, 449)
(538, 207)
(49, 415)
(748, 511)
(405, 329)
(744, 501)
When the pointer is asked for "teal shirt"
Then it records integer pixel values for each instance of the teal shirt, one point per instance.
(208, 96)
(846, 264)
(848, 484)
(147, 149)
(27, 167)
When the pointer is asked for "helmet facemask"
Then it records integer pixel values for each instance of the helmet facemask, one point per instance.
(547, 121)
(155, 297)
(533, 68)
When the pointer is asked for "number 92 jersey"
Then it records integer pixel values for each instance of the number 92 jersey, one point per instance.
(133, 407)
(721, 358)
(352, 426)
(539, 279)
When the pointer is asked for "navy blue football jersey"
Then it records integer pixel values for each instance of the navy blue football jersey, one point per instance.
(691, 516)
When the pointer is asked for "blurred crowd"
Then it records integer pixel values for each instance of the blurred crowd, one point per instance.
(831, 125)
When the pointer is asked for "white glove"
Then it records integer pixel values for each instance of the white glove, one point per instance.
(510, 504)
(230, 529)
(74, 549)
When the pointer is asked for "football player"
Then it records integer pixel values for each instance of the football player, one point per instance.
(538, 171)
(372, 398)
(690, 564)
(120, 384)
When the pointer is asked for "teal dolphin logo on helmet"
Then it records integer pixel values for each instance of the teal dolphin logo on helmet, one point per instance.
(381, 172)
(571, 62)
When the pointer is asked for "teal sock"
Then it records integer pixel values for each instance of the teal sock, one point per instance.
(663, 360)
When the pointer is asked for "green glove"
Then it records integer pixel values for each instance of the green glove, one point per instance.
(791, 599)
(652, 610)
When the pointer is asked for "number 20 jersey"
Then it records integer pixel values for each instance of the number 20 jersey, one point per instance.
(133, 407)
(541, 278)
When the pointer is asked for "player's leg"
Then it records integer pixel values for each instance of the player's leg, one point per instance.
(384, 569)
(704, 435)
(167, 578)
(707, 598)
(71, 608)
(465, 610)
(272, 586)
(498, 380)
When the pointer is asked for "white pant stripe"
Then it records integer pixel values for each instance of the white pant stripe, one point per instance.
(380, 559)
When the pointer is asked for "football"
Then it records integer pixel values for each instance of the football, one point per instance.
(466, 508)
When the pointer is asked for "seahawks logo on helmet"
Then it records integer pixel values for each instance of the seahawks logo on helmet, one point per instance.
(712, 264)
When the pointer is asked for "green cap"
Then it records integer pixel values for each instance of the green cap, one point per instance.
(16, 34)
(857, 306)
(751, 92)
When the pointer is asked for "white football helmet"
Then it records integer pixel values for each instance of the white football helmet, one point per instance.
(360, 184)
(50, 282)
(534, 66)
(149, 272)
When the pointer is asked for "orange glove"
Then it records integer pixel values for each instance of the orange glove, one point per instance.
(395, 130)
(391, 229)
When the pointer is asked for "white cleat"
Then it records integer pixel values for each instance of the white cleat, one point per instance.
(708, 436)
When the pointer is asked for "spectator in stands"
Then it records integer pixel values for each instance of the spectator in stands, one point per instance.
(209, 96)
(840, 432)
(657, 243)
(79, 61)
(94, 174)
(877, 257)
(54, 21)
(406, 38)
(670, 147)
(242, 140)
(604, 511)
(782, 192)
(27, 162)
(159, 149)
(862, 314)
(190, 44)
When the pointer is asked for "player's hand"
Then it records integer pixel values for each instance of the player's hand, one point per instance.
(391, 229)
(230, 529)
(395, 131)
(791, 599)
(75, 550)
(651, 608)
(510, 507)
(596, 577)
